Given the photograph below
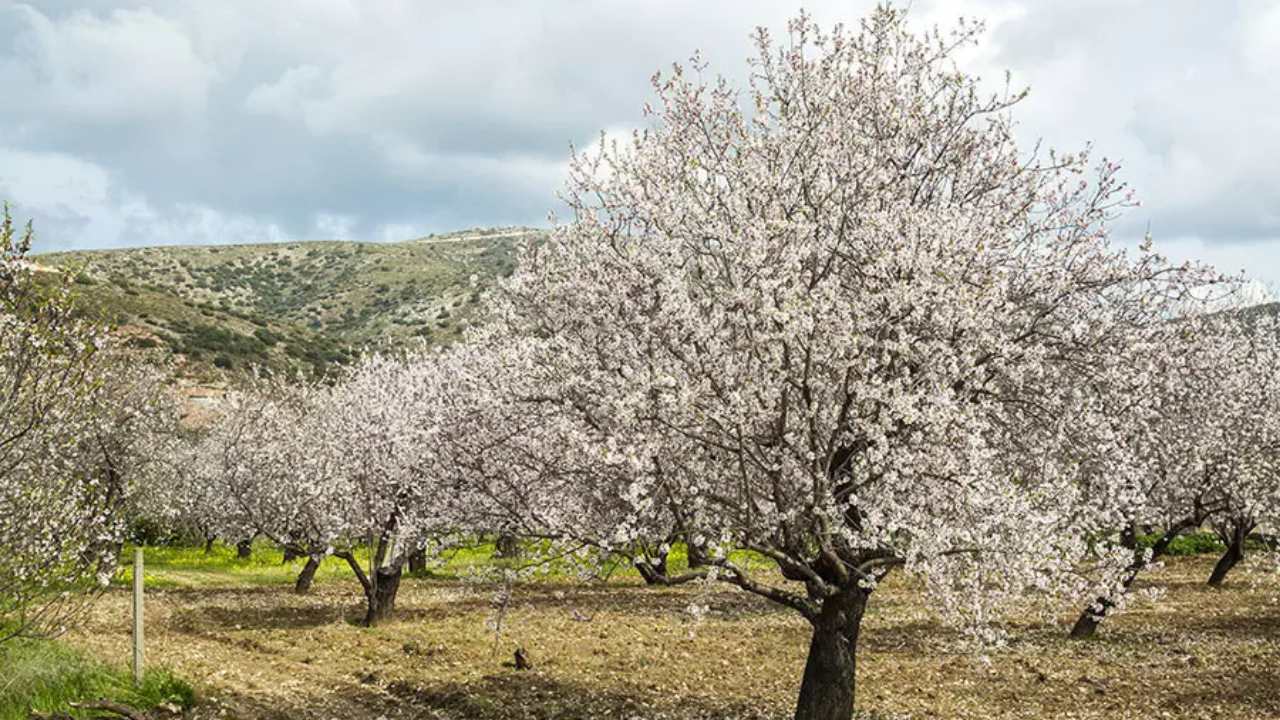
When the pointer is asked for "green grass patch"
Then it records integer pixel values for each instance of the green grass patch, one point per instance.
(174, 566)
(1196, 543)
(48, 676)
(178, 566)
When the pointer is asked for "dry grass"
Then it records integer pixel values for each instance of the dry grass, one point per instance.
(260, 652)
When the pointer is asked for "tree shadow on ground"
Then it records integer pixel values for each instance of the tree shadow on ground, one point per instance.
(222, 618)
(504, 696)
(530, 695)
(1236, 626)
(1258, 690)
(632, 600)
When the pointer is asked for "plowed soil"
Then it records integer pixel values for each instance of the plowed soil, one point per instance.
(623, 650)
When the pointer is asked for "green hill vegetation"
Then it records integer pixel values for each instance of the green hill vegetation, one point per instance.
(304, 305)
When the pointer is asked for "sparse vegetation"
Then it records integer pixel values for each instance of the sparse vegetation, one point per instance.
(308, 306)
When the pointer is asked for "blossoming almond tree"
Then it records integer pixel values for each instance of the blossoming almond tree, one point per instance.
(842, 327)
(127, 428)
(1237, 386)
(383, 425)
(1203, 434)
(55, 516)
(1158, 429)
(349, 470)
(262, 469)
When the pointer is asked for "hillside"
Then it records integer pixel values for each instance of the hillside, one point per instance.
(307, 305)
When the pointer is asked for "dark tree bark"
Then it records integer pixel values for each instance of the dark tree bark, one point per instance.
(508, 546)
(290, 554)
(1087, 624)
(1235, 553)
(653, 568)
(829, 685)
(307, 576)
(418, 561)
(697, 557)
(380, 589)
(208, 545)
(244, 549)
(382, 595)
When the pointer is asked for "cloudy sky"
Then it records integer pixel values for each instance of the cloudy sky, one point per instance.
(136, 122)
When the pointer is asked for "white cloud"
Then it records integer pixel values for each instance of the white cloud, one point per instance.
(333, 227)
(75, 204)
(1257, 260)
(129, 65)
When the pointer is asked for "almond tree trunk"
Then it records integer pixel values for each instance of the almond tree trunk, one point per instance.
(508, 546)
(1087, 624)
(1233, 555)
(653, 568)
(828, 688)
(380, 587)
(244, 549)
(381, 595)
(418, 561)
(697, 556)
(308, 574)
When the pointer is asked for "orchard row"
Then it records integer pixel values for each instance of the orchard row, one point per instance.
(837, 320)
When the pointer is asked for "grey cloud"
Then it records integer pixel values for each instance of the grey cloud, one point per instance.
(1186, 93)
(213, 121)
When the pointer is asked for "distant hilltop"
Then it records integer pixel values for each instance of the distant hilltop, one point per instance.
(308, 305)
(509, 232)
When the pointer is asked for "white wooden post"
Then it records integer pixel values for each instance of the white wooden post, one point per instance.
(137, 616)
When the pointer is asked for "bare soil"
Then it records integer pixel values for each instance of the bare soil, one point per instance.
(629, 651)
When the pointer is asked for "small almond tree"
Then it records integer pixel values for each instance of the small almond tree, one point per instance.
(261, 469)
(382, 426)
(846, 324)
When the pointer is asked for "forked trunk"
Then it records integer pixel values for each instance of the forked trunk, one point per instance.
(381, 594)
(697, 556)
(653, 569)
(1232, 557)
(308, 574)
(828, 688)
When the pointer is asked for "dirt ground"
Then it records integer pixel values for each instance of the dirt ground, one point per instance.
(628, 651)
